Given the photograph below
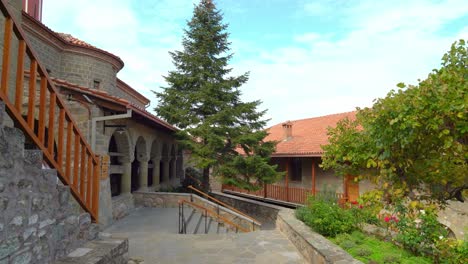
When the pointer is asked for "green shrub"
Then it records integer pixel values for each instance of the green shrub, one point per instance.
(392, 258)
(364, 251)
(347, 244)
(452, 251)
(342, 237)
(326, 217)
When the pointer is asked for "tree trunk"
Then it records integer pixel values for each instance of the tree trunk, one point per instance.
(206, 179)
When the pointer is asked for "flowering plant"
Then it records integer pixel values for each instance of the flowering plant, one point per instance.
(418, 230)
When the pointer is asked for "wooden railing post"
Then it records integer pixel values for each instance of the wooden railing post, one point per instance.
(6, 54)
(19, 75)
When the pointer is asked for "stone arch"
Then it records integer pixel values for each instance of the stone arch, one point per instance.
(139, 165)
(123, 145)
(119, 153)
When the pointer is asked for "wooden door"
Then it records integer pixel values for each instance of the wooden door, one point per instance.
(351, 188)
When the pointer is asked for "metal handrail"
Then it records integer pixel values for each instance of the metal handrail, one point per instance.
(50, 128)
(214, 214)
(224, 204)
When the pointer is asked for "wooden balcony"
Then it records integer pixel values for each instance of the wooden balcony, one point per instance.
(288, 194)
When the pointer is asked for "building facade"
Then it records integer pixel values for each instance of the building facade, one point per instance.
(139, 150)
(299, 153)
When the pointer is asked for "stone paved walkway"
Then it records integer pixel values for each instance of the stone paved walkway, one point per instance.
(153, 237)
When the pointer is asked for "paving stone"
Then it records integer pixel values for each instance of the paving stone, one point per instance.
(147, 227)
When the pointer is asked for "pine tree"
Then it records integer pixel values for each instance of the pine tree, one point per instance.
(224, 134)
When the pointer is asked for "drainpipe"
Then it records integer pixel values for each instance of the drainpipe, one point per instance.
(105, 118)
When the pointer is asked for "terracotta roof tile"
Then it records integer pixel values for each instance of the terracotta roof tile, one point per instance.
(69, 38)
(307, 135)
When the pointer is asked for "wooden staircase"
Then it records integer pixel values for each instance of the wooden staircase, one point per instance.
(32, 101)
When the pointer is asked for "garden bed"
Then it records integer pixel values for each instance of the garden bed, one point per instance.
(407, 232)
(370, 249)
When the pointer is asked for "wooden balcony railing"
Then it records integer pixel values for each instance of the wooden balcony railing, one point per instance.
(36, 107)
(281, 193)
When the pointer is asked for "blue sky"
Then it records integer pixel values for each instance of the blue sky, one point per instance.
(306, 58)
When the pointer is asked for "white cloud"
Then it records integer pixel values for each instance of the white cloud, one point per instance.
(384, 42)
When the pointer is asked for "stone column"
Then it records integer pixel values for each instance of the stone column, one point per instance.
(165, 176)
(156, 175)
(180, 167)
(174, 170)
(126, 177)
(143, 175)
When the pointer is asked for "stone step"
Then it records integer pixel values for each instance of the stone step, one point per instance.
(105, 250)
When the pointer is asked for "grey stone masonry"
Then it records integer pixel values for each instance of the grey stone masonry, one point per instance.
(99, 251)
(39, 220)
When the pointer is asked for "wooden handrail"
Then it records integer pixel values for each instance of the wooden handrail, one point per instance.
(214, 214)
(48, 132)
(224, 204)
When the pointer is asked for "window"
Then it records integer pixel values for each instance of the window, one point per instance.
(96, 84)
(295, 169)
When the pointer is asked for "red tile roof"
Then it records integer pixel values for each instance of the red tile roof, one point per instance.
(114, 99)
(307, 135)
(72, 40)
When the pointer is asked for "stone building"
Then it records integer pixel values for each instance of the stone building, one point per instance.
(139, 148)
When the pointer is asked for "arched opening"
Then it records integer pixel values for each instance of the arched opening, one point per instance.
(118, 151)
(115, 178)
(150, 173)
(139, 176)
(135, 185)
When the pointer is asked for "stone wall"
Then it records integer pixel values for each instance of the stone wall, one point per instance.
(48, 55)
(122, 205)
(84, 70)
(39, 220)
(159, 199)
(265, 213)
(455, 217)
(314, 247)
(171, 200)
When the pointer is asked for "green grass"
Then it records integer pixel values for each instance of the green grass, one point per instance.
(370, 249)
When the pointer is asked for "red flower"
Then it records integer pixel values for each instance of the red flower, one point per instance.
(387, 219)
(360, 206)
(354, 202)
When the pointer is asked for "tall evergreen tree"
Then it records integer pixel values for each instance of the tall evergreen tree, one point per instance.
(224, 134)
